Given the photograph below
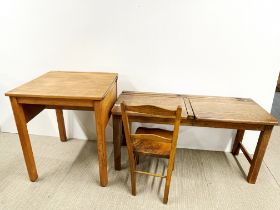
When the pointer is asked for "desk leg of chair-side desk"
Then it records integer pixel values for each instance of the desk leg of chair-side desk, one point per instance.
(237, 141)
(24, 138)
(259, 154)
(117, 140)
(61, 125)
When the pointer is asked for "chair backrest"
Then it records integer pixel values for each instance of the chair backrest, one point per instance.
(150, 111)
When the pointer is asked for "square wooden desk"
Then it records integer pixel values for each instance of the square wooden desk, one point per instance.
(65, 90)
(204, 111)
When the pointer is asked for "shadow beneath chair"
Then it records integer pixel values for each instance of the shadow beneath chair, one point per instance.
(191, 166)
(144, 183)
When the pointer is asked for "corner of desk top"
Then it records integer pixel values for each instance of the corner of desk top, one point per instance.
(9, 94)
(111, 85)
(275, 122)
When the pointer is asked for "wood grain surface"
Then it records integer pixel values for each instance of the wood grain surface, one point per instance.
(227, 109)
(165, 101)
(69, 85)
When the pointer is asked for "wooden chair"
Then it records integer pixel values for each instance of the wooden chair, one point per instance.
(151, 141)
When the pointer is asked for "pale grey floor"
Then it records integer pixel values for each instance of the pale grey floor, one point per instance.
(68, 179)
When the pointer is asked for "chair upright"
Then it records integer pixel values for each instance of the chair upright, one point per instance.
(151, 141)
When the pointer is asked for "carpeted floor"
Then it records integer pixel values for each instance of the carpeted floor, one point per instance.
(68, 179)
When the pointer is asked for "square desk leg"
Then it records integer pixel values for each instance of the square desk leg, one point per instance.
(117, 140)
(101, 144)
(256, 161)
(61, 125)
(24, 138)
(237, 141)
(259, 154)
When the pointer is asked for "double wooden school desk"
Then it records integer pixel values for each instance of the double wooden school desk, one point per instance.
(204, 111)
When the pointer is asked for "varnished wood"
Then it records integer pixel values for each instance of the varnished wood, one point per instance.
(117, 140)
(209, 111)
(227, 109)
(67, 85)
(196, 107)
(197, 123)
(101, 145)
(102, 115)
(169, 102)
(131, 158)
(189, 108)
(226, 125)
(149, 174)
(108, 102)
(259, 154)
(82, 108)
(150, 137)
(128, 92)
(237, 141)
(19, 114)
(151, 110)
(57, 102)
(171, 161)
(61, 125)
(151, 141)
(66, 90)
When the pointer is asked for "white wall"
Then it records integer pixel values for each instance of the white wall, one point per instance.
(218, 47)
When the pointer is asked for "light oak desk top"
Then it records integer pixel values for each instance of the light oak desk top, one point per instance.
(93, 91)
(69, 85)
(205, 111)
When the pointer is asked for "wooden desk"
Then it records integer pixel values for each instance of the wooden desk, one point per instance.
(65, 90)
(204, 111)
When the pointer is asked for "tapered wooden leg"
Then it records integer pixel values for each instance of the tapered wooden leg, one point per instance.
(117, 140)
(259, 154)
(24, 139)
(61, 125)
(133, 177)
(237, 141)
(101, 145)
(168, 180)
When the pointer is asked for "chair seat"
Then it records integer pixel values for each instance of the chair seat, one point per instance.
(150, 147)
